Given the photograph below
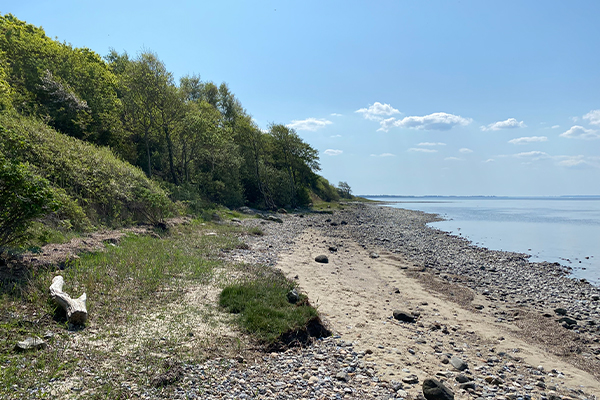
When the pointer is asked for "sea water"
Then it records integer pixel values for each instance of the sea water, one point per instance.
(555, 229)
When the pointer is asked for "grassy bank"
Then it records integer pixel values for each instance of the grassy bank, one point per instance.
(152, 303)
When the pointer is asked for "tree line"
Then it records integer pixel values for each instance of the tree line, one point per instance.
(191, 136)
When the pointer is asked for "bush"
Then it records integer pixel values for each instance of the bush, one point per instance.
(24, 196)
(91, 182)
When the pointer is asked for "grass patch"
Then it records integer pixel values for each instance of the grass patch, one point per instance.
(265, 312)
(256, 231)
(128, 284)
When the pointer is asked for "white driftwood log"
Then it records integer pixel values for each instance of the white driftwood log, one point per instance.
(75, 308)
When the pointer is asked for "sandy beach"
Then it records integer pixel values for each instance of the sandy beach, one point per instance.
(474, 330)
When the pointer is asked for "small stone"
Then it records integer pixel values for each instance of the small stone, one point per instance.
(312, 380)
(342, 376)
(567, 320)
(373, 255)
(31, 343)
(467, 385)
(435, 390)
(323, 259)
(458, 363)
(293, 296)
(460, 378)
(403, 316)
(560, 311)
(411, 379)
(333, 249)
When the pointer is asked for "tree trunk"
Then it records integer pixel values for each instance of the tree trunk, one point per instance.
(148, 154)
(75, 308)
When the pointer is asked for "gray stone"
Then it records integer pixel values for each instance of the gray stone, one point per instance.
(404, 316)
(293, 296)
(411, 379)
(567, 320)
(342, 376)
(274, 219)
(373, 255)
(322, 259)
(31, 343)
(246, 210)
(458, 363)
(560, 311)
(460, 378)
(435, 390)
(467, 385)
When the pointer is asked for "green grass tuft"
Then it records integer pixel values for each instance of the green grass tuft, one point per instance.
(263, 308)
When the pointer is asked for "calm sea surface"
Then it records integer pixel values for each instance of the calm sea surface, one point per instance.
(555, 229)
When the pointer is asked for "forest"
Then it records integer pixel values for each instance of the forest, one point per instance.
(89, 141)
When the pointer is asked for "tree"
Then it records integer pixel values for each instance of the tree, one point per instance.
(152, 106)
(344, 190)
(24, 196)
(294, 156)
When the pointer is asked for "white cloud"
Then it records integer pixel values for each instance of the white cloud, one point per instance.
(431, 144)
(421, 150)
(578, 162)
(510, 123)
(464, 150)
(386, 124)
(383, 155)
(593, 116)
(529, 139)
(579, 132)
(437, 121)
(575, 119)
(336, 115)
(489, 160)
(333, 152)
(533, 155)
(309, 124)
(334, 136)
(453, 159)
(555, 127)
(377, 111)
(572, 161)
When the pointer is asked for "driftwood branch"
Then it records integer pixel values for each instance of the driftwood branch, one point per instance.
(75, 308)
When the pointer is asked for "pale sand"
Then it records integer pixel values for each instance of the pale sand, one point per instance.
(355, 296)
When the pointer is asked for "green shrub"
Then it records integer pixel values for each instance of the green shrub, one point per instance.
(91, 182)
(24, 196)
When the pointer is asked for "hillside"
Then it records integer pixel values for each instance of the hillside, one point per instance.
(116, 140)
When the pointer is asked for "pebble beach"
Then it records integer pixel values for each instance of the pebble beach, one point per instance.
(488, 324)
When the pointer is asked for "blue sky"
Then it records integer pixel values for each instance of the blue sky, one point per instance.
(399, 97)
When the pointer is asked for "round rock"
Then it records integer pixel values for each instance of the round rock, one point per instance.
(322, 259)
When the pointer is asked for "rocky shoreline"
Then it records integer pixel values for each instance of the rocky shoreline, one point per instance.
(538, 301)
